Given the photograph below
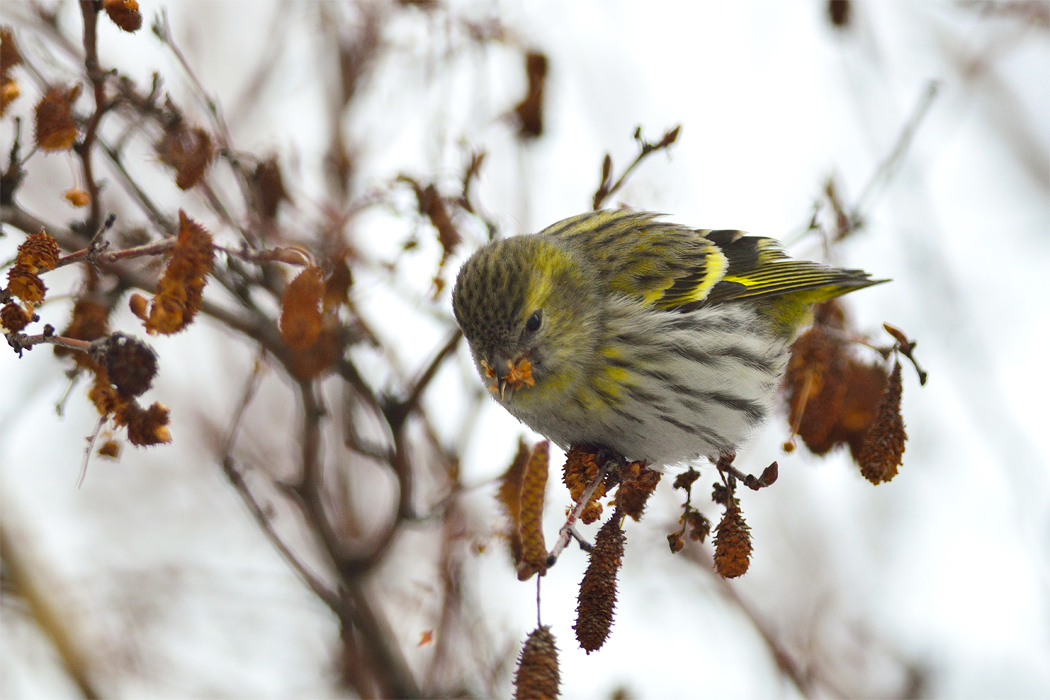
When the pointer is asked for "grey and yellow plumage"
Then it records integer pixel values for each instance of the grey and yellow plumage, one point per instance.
(654, 340)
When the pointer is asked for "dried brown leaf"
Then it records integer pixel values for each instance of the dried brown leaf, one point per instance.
(301, 318)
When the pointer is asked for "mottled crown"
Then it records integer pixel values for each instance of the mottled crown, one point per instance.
(492, 290)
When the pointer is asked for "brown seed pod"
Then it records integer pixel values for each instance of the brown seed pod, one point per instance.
(56, 128)
(25, 285)
(580, 470)
(268, 188)
(530, 109)
(732, 542)
(124, 13)
(90, 322)
(597, 598)
(109, 449)
(188, 151)
(637, 483)
(139, 306)
(145, 427)
(538, 677)
(833, 397)
(180, 292)
(14, 318)
(883, 448)
(38, 253)
(10, 56)
(130, 363)
(77, 197)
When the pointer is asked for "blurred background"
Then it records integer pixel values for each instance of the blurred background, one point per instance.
(155, 577)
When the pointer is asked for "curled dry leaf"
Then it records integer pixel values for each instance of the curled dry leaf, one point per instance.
(301, 309)
(509, 498)
(833, 397)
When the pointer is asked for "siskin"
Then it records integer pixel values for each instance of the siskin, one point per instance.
(653, 340)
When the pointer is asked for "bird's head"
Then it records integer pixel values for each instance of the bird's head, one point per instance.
(528, 311)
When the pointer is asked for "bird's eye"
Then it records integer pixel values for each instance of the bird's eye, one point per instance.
(533, 324)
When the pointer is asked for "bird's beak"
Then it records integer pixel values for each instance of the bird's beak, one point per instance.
(507, 376)
(502, 372)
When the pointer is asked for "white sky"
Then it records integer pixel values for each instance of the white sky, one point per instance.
(947, 566)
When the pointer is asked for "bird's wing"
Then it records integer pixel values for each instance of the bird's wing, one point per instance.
(677, 268)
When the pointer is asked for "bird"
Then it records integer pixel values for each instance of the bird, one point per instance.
(651, 340)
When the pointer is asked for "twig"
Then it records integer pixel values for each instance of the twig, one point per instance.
(397, 412)
(89, 10)
(322, 591)
(98, 255)
(769, 474)
(607, 188)
(568, 530)
(152, 211)
(887, 168)
(90, 448)
(21, 341)
(848, 218)
(55, 623)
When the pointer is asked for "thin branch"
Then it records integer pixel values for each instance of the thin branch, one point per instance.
(152, 210)
(396, 413)
(53, 622)
(89, 10)
(607, 187)
(568, 530)
(95, 255)
(21, 341)
(887, 169)
(783, 658)
(322, 591)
